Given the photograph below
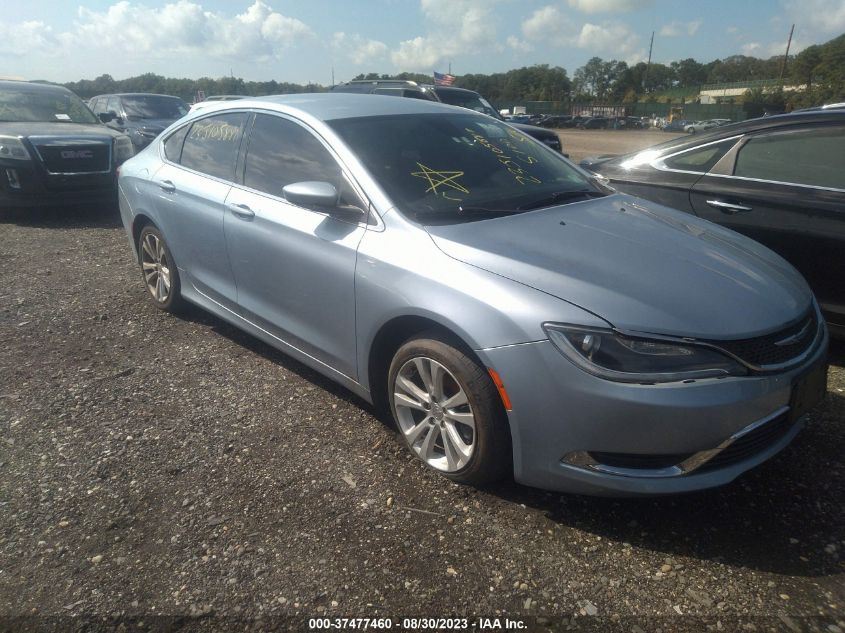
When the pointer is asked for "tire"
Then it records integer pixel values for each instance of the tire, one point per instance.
(431, 431)
(157, 269)
(691, 130)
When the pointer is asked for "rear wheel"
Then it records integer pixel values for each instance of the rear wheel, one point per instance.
(448, 410)
(158, 270)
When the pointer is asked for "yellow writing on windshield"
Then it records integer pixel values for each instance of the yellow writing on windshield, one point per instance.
(509, 161)
(447, 180)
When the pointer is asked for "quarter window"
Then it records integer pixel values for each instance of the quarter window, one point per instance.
(211, 146)
(174, 142)
(700, 160)
(812, 157)
(282, 152)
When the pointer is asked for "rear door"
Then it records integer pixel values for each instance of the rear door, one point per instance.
(786, 189)
(191, 189)
(295, 266)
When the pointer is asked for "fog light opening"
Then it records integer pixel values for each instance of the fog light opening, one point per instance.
(12, 177)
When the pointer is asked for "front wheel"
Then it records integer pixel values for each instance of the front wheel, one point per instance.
(448, 410)
(158, 270)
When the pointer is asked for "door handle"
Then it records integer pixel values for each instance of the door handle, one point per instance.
(241, 210)
(728, 207)
(167, 185)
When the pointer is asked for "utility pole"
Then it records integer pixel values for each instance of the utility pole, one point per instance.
(648, 63)
(786, 55)
(450, 68)
(332, 76)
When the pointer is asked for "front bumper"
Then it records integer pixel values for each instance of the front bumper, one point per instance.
(562, 417)
(26, 184)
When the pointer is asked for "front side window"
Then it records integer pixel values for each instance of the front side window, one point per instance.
(702, 159)
(812, 157)
(113, 106)
(211, 146)
(22, 105)
(455, 165)
(282, 152)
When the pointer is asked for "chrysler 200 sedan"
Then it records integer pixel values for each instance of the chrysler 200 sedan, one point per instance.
(512, 314)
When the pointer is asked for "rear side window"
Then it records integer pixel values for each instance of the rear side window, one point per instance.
(211, 146)
(701, 159)
(282, 152)
(174, 142)
(812, 157)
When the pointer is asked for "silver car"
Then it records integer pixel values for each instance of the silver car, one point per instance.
(515, 316)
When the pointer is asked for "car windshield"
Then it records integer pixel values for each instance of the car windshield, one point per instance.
(154, 107)
(43, 105)
(455, 167)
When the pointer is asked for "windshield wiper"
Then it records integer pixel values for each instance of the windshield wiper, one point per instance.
(561, 196)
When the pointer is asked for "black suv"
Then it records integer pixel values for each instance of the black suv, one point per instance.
(53, 150)
(446, 94)
(142, 116)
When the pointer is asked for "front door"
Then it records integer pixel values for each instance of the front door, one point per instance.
(295, 267)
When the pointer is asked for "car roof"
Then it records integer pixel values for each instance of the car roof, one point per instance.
(750, 125)
(329, 106)
(29, 86)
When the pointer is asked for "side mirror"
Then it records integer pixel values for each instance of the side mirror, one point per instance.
(105, 117)
(311, 194)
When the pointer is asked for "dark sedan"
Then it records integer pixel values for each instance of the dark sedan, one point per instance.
(779, 180)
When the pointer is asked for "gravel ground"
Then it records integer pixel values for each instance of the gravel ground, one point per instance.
(160, 466)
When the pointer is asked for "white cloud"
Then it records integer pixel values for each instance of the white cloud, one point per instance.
(135, 31)
(359, 49)
(676, 29)
(519, 45)
(824, 16)
(607, 6)
(751, 48)
(17, 40)
(732, 30)
(456, 27)
(549, 24)
(613, 39)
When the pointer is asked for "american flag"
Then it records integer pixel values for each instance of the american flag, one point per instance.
(443, 80)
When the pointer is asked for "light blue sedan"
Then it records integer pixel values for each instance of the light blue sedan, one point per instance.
(515, 316)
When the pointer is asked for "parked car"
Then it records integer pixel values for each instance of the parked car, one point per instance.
(594, 123)
(555, 120)
(512, 314)
(53, 150)
(460, 97)
(699, 126)
(779, 180)
(139, 115)
(721, 121)
(678, 125)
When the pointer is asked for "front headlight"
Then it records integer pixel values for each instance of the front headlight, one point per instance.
(123, 149)
(613, 356)
(12, 147)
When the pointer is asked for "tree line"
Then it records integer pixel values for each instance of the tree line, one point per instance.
(821, 68)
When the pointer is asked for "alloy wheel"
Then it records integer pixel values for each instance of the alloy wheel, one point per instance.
(155, 266)
(434, 414)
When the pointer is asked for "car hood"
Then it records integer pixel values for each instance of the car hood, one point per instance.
(534, 130)
(41, 128)
(640, 266)
(153, 125)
